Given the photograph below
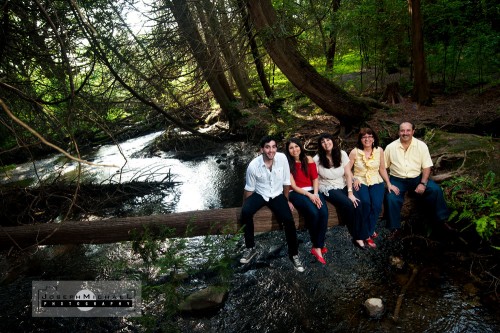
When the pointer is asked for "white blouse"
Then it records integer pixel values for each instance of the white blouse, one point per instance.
(332, 178)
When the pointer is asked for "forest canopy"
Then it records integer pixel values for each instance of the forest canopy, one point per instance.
(75, 72)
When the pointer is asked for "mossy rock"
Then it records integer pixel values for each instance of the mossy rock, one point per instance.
(465, 153)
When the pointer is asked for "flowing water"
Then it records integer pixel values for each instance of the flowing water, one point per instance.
(266, 295)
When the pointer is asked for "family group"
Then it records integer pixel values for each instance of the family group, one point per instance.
(356, 184)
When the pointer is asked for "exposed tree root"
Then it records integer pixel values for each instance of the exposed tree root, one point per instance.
(401, 296)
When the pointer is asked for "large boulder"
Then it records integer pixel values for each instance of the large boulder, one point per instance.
(204, 300)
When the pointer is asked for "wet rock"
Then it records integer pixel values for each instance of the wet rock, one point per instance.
(470, 289)
(374, 307)
(204, 300)
(396, 262)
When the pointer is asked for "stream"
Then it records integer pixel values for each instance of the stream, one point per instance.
(266, 295)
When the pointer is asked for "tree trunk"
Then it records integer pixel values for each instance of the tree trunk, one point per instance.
(332, 39)
(217, 30)
(420, 93)
(255, 50)
(212, 72)
(283, 50)
(187, 224)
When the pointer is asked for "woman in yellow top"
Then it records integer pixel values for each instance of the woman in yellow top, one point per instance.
(369, 176)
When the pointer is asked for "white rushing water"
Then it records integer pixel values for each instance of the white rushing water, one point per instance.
(200, 182)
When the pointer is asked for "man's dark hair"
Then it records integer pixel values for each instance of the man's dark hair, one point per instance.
(265, 139)
(409, 122)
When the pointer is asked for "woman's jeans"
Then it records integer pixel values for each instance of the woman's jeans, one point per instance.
(279, 206)
(316, 219)
(433, 199)
(353, 216)
(372, 199)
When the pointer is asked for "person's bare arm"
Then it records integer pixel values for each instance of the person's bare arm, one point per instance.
(352, 158)
(425, 178)
(246, 194)
(286, 191)
(385, 175)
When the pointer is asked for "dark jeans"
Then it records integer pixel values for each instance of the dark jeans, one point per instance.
(433, 199)
(353, 216)
(372, 198)
(316, 219)
(279, 206)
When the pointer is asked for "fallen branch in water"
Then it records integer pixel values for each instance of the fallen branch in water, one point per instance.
(414, 272)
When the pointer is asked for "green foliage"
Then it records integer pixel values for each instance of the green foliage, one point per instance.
(461, 42)
(151, 249)
(476, 203)
(160, 253)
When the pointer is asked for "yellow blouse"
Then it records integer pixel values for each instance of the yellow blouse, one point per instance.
(367, 169)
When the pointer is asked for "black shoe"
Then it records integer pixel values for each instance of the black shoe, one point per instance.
(359, 246)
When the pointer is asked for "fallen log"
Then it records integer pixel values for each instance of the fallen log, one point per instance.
(185, 224)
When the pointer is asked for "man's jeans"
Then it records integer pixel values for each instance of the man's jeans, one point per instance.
(279, 206)
(316, 219)
(433, 199)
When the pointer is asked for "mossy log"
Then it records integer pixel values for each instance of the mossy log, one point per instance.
(186, 224)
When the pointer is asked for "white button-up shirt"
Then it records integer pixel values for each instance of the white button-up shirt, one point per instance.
(268, 183)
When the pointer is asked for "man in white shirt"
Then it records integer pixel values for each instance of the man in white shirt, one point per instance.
(409, 164)
(268, 183)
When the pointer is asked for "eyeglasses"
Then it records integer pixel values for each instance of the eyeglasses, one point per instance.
(366, 137)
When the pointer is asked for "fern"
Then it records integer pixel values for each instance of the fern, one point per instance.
(475, 202)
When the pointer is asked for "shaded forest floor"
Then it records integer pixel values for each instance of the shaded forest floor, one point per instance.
(461, 112)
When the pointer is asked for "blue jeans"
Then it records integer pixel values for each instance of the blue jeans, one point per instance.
(352, 216)
(372, 198)
(279, 206)
(316, 219)
(433, 199)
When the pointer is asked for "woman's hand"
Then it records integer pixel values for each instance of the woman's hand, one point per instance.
(316, 200)
(353, 199)
(356, 184)
(291, 206)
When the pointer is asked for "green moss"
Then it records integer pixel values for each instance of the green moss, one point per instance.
(475, 154)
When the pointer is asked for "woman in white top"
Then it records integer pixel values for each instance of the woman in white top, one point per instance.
(335, 182)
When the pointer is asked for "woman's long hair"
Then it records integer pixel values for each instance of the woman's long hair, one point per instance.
(363, 132)
(336, 156)
(302, 157)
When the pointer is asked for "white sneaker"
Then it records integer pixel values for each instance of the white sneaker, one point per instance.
(248, 254)
(297, 264)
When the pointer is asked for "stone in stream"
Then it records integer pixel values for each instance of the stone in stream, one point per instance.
(374, 307)
(204, 300)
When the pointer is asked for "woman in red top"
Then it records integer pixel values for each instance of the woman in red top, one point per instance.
(304, 195)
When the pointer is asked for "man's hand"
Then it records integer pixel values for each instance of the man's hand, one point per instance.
(420, 189)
